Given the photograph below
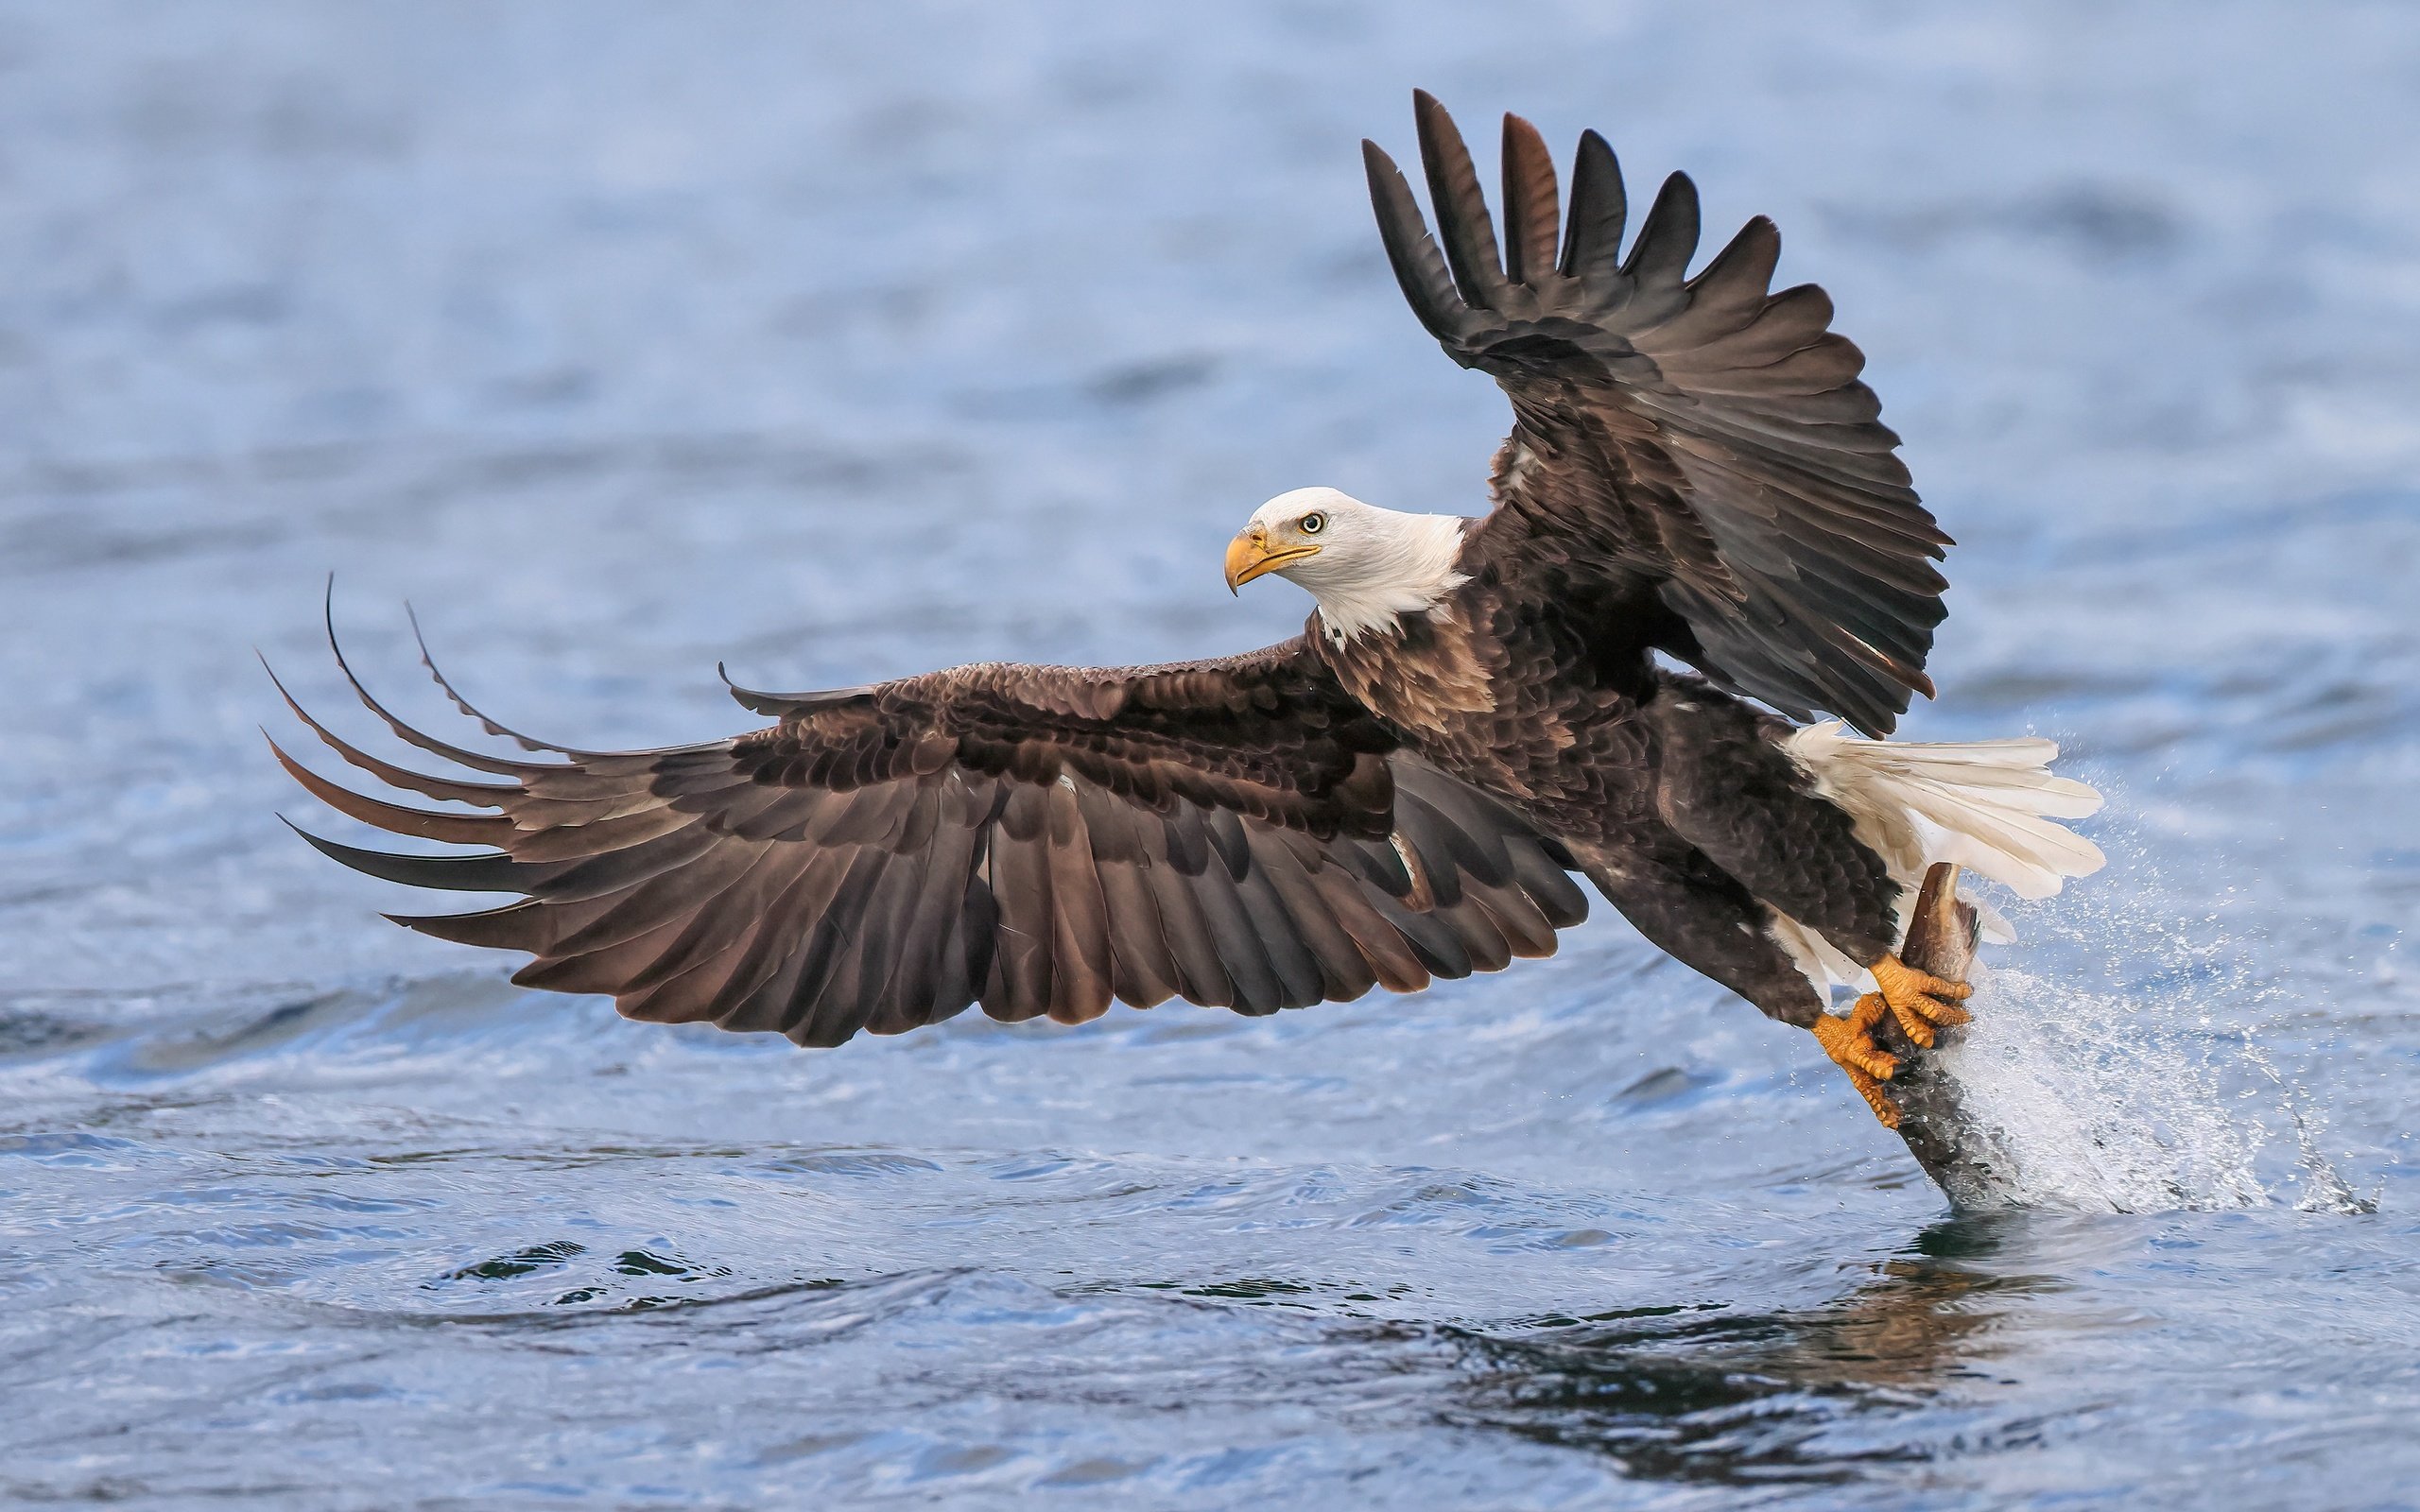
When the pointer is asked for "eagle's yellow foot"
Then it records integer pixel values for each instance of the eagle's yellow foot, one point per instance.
(1850, 1044)
(1921, 1002)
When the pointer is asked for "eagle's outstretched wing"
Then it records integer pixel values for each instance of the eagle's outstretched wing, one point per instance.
(1040, 839)
(1700, 445)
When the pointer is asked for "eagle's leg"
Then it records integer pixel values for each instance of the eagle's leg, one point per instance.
(1713, 926)
(1921, 1002)
(1727, 787)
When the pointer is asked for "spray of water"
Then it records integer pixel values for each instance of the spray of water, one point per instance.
(2113, 1065)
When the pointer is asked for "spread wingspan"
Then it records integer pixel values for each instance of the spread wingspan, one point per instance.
(1038, 839)
(1700, 446)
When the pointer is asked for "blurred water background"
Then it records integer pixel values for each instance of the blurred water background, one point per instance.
(845, 342)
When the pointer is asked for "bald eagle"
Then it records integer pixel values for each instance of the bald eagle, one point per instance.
(1474, 712)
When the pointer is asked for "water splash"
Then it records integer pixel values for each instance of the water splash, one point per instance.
(2328, 1190)
(2115, 1070)
(2099, 1106)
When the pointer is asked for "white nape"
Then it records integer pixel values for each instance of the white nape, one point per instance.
(1373, 566)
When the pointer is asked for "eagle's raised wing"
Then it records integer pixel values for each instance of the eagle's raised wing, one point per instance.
(1040, 839)
(1700, 445)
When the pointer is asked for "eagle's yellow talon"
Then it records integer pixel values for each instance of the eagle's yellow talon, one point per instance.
(1911, 1023)
(1920, 1001)
(1940, 1015)
(1850, 1044)
(1886, 1112)
(1853, 1046)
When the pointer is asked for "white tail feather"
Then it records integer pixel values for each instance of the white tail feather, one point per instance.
(1987, 805)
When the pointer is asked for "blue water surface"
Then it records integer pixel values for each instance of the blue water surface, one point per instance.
(841, 342)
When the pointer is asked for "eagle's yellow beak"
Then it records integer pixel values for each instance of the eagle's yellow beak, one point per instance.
(1249, 556)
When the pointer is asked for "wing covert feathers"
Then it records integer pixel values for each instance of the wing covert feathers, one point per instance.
(1039, 840)
(1700, 440)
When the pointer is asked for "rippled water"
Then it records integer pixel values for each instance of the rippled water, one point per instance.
(627, 340)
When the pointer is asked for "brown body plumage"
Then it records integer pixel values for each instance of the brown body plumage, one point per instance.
(1397, 795)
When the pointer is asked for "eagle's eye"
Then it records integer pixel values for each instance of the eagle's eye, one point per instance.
(1311, 524)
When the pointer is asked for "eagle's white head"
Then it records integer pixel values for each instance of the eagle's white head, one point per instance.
(1366, 566)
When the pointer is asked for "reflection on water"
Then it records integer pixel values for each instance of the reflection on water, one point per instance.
(1704, 1392)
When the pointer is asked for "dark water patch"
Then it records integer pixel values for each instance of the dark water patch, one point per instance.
(72, 541)
(1330, 1298)
(867, 1163)
(83, 1147)
(162, 1055)
(521, 1263)
(1709, 1392)
(31, 1032)
(1667, 1086)
(566, 1273)
(2092, 221)
(1145, 383)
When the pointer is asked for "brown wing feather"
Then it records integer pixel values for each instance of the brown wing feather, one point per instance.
(1700, 447)
(1239, 833)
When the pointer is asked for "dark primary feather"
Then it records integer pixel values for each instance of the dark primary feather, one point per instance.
(1691, 447)
(1237, 832)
